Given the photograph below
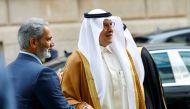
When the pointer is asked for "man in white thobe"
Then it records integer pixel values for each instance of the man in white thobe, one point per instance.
(102, 72)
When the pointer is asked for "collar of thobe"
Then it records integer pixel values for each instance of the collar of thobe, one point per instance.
(105, 49)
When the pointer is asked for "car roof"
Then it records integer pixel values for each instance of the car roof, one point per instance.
(152, 47)
(166, 35)
(161, 36)
(167, 31)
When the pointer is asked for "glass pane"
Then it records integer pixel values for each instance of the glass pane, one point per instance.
(164, 67)
(182, 38)
(185, 55)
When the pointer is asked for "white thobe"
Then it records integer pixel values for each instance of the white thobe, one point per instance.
(116, 89)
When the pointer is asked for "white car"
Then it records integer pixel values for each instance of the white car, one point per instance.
(173, 64)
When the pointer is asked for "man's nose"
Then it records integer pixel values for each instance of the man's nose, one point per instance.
(110, 28)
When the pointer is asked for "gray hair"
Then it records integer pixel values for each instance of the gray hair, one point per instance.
(32, 28)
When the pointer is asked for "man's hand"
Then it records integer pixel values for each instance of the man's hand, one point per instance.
(59, 74)
(88, 107)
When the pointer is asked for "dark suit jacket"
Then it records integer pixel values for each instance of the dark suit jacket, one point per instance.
(7, 100)
(36, 86)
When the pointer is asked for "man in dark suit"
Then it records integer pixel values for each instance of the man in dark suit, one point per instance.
(7, 99)
(36, 86)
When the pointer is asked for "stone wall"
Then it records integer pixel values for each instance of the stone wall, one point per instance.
(141, 17)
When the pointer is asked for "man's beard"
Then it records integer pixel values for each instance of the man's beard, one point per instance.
(43, 53)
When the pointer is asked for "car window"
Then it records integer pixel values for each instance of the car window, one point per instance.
(180, 71)
(182, 38)
(141, 39)
(164, 67)
(185, 55)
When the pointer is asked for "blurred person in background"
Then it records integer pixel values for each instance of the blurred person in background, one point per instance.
(99, 74)
(36, 86)
(152, 85)
(153, 89)
(54, 55)
(7, 97)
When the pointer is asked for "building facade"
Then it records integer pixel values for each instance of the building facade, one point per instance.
(64, 16)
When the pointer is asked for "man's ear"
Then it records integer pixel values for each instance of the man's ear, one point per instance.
(33, 42)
